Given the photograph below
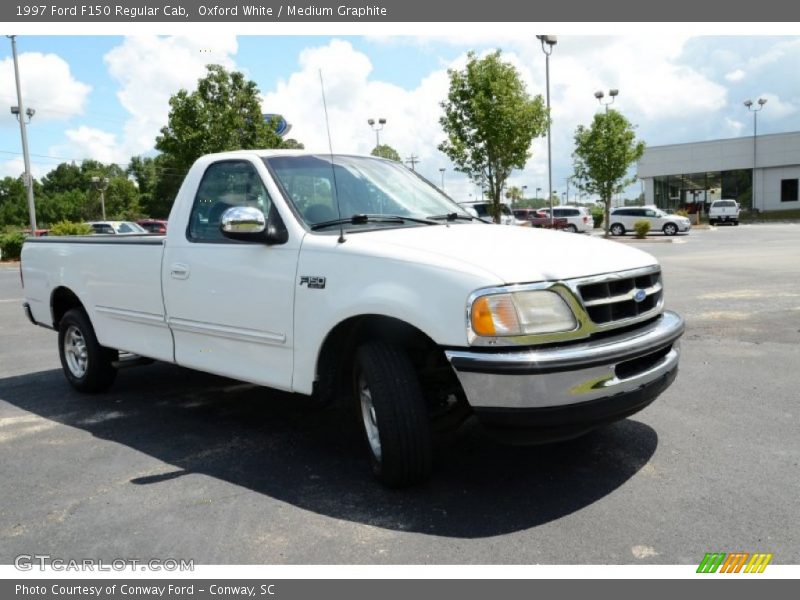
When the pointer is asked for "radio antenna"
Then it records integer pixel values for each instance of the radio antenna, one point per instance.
(330, 149)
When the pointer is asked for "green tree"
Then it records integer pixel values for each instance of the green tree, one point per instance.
(604, 152)
(158, 180)
(13, 203)
(386, 151)
(514, 195)
(222, 113)
(292, 144)
(490, 121)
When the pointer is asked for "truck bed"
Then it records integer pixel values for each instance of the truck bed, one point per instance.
(121, 291)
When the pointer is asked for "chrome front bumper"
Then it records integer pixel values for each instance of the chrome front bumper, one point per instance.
(566, 376)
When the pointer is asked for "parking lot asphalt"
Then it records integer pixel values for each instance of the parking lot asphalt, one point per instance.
(173, 463)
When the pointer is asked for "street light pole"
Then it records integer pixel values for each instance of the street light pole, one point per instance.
(377, 129)
(102, 183)
(755, 111)
(548, 43)
(613, 93)
(442, 170)
(21, 114)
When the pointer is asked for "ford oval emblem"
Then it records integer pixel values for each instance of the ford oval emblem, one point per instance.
(639, 295)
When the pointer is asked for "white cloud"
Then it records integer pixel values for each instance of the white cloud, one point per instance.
(48, 86)
(89, 142)
(149, 70)
(15, 167)
(735, 75)
(734, 127)
(353, 97)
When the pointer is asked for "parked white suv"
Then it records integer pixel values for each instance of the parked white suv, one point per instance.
(578, 217)
(623, 219)
(723, 211)
(482, 211)
(116, 227)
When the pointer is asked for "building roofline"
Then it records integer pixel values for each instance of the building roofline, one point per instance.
(718, 140)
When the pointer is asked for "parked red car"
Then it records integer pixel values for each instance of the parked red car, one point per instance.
(154, 225)
(539, 219)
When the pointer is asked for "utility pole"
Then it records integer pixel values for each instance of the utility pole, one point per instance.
(21, 114)
(413, 160)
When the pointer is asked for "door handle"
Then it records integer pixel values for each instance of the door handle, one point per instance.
(179, 271)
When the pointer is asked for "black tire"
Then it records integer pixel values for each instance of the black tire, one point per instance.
(736, 223)
(712, 222)
(670, 229)
(571, 228)
(397, 415)
(617, 229)
(87, 365)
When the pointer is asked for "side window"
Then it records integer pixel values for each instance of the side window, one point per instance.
(125, 228)
(650, 213)
(224, 185)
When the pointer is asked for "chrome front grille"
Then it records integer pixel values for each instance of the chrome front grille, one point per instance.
(621, 298)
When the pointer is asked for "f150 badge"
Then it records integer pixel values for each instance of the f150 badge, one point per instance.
(313, 282)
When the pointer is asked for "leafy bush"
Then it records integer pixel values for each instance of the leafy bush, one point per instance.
(641, 228)
(597, 217)
(70, 228)
(681, 212)
(11, 245)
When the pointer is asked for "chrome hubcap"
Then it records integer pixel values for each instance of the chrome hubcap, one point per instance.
(369, 418)
(75, 351)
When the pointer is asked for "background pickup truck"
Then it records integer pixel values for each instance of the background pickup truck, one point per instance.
(353, 279)
(723, 211)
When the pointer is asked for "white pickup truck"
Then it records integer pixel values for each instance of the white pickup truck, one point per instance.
(353, 278)
(723, 211)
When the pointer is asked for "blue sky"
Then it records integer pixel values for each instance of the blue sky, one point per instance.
(105, 97)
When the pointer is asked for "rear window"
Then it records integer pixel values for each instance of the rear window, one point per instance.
(725, 204)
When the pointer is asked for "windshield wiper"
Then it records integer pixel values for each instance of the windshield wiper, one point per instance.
(452, 217)
(363, 218)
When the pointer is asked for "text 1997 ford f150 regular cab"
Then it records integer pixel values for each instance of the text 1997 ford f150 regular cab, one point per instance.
(352, 277)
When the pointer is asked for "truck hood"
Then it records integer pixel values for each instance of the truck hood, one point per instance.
(510, 254)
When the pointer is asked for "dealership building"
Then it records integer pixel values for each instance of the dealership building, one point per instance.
(691, 176)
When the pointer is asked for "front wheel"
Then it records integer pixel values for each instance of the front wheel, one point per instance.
(617, 229)
(87, 365)
(670, 229)
(393, 414)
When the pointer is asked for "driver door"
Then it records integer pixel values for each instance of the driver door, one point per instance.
(230, 303)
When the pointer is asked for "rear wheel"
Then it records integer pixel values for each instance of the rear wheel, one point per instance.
(571, 228)
(617, 229)
(87, 365)
(393, 414)
(670, 229)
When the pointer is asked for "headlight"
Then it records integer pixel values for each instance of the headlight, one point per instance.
(520, 313)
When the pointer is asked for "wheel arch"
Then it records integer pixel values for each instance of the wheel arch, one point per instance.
(337, 351)
(63, 299)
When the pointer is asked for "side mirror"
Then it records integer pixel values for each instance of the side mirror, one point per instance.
(248, 224)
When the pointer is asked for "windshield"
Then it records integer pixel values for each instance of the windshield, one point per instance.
(365, 186)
